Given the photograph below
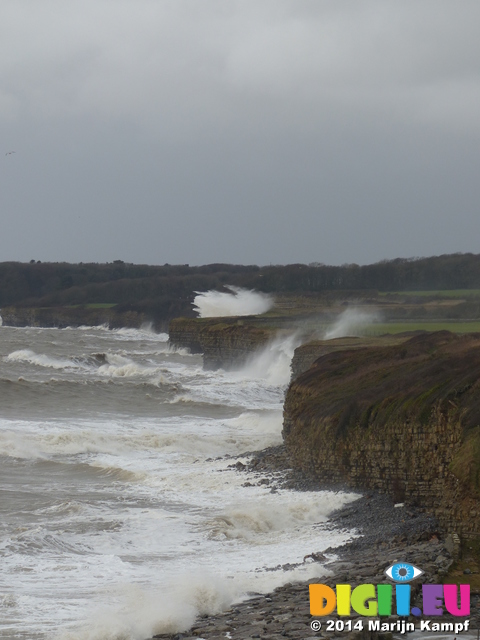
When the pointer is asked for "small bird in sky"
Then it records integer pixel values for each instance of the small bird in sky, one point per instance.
(9, 153)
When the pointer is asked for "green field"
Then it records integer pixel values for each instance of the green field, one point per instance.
(94, 305)
(101, 305)
(446, 293)
(418, 325)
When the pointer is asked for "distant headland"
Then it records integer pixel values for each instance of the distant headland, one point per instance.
(443, 289)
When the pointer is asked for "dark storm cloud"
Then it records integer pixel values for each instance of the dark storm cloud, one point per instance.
(249, 131)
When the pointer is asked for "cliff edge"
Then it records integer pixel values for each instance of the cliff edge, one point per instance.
(403, 419)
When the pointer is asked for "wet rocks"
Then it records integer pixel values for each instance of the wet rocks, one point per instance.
(285, 612)
(389, 534)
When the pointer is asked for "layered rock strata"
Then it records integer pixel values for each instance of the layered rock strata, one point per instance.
(224, 342)
(402, 419)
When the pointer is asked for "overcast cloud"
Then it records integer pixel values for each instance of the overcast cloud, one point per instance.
(248, 131)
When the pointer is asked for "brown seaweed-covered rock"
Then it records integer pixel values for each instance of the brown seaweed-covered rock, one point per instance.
(402, 419)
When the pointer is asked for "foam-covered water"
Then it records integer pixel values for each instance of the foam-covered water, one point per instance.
(121, 516)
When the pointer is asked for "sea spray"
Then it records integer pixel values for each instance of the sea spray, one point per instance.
(240, 302)
(351, 322)
(272, 362)
(140, 613)
(256, 522)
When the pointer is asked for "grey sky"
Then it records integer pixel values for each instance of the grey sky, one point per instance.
(248, 131)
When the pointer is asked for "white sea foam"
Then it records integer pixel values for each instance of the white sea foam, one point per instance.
(240, 302)
(124, 440)
(116, 365)
(144, 333)
(63, 508)
(87, 327)
(98, 503)
(256, 522)
(139, 614)
(195, 588)
(42, 360)
(120, 366)
(18, 445)
(352, 322)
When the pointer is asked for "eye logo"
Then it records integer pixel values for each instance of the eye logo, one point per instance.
(403, 572)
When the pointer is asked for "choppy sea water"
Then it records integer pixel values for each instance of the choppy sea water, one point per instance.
(119, 514)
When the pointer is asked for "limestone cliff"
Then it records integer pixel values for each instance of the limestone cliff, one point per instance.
(403, 419)
(306, 354)
(224, 342)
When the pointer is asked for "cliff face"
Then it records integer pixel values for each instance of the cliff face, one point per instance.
(403, 419)
(229, 342)
(185, 333)
(226, 342)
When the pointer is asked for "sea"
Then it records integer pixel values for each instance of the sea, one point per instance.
(122, 513)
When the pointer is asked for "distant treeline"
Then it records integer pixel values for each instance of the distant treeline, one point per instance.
(167, 291)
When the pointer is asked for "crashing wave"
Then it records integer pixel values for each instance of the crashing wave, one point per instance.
(240, 302)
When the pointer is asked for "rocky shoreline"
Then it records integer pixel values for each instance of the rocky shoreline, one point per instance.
(389, 533)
